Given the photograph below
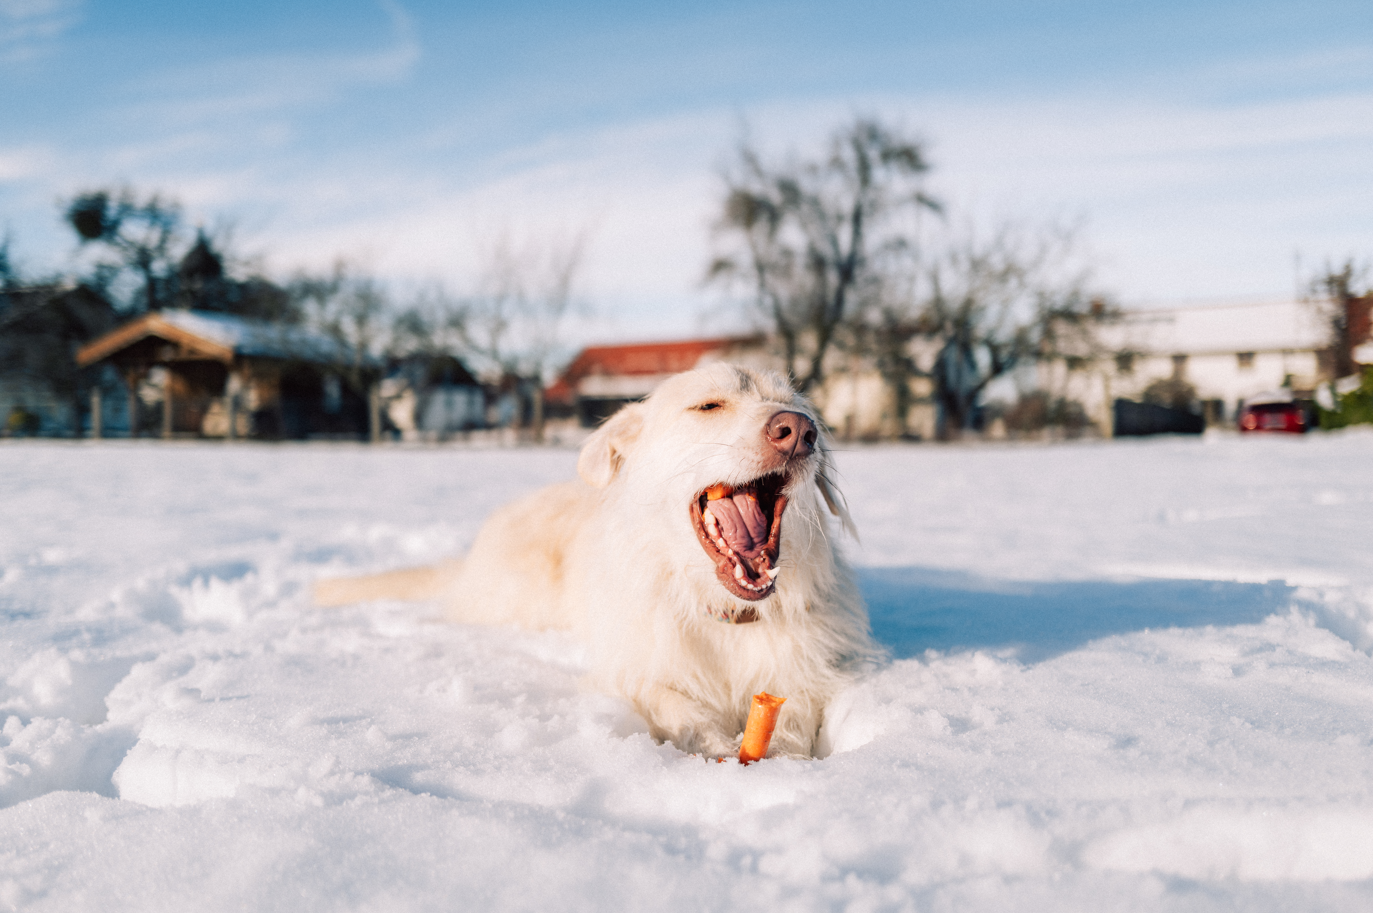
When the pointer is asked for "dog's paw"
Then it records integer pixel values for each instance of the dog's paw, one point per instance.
(780, 748)
(788, 745)
(715, 744)
(790, 755)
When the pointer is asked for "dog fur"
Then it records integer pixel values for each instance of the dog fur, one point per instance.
(617, 559)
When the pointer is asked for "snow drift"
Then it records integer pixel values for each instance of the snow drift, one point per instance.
(1122, 676)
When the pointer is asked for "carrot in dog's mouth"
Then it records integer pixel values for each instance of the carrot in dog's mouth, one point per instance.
(740, 528)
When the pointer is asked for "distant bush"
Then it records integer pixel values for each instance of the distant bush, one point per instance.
(1352, 408)
(1172, 392)
(21, 422)
(1036, 411)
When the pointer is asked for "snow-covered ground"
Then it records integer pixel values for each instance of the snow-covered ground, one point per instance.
(1124, 676)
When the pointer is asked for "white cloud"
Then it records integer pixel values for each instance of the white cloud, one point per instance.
(22, 163)
(1327, 66)
(1184, 201)
(243, 89)
(28, 27)
(642, 192)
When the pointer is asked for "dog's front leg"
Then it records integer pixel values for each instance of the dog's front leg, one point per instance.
(674, 717)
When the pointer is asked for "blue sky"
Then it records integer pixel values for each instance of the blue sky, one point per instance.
(1203, 147)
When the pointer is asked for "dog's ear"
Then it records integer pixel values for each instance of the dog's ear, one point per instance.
(604, 452)
(834, 499)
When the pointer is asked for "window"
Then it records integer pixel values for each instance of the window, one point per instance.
(1125, 363)
(1245, 360)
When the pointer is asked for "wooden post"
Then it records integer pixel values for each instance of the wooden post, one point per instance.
(132, 379)
(231, 385)
(96, 414)
(1108, 425)
(374, 413)
(167, 405)
(538, 412)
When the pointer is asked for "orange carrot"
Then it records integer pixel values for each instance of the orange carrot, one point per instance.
(716, 492)
(762, 719)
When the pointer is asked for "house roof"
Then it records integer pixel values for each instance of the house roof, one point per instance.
(219, 337)
(644, 360)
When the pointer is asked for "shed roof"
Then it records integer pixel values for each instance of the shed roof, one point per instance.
(220, 337)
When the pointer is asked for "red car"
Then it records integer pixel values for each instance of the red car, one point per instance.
(1289, 417)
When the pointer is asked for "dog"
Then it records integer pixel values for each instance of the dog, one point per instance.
(694, 559)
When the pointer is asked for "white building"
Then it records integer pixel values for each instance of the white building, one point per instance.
(1230, 353)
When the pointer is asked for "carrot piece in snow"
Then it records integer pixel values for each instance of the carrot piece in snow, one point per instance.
(762, 719)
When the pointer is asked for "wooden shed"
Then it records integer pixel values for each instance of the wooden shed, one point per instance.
(206, 374)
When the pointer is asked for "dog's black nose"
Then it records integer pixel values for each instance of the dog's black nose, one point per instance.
(791, 434)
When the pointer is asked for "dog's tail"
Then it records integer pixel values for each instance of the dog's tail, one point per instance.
(405, 585)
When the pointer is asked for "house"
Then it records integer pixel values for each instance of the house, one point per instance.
(1217, 355)
(430, 397)
(205, 374)
(858, 403)
(41, 326)
(601, 379)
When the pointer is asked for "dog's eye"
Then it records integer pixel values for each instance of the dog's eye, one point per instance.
(707, 407)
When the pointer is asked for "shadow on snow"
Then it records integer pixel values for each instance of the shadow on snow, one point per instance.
(916, 609)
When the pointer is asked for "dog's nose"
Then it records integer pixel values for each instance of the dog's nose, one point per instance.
(791, 434)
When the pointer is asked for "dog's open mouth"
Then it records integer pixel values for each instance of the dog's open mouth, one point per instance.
(741, 530)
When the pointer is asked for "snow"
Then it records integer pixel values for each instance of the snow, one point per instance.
(1126, 675)
(255, 337)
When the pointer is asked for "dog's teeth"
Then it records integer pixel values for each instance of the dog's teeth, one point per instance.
(773, 572)
(739, 573)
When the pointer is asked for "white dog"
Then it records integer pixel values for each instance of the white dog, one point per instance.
(694, 559)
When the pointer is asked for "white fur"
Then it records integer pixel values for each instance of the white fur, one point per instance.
(615, 559)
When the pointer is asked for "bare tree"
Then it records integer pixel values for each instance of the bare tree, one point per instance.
(351, 309)
(515, 321)
(141, 234)
(989, 307)
(435, 323)
(1333, 294)
(146, 262)
(805, 236)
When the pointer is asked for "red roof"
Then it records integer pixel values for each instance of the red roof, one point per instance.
(644, 358)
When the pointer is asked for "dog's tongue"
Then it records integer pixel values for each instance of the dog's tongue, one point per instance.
(742, 523)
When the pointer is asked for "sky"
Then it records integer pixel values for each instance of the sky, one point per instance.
(1206, 151)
